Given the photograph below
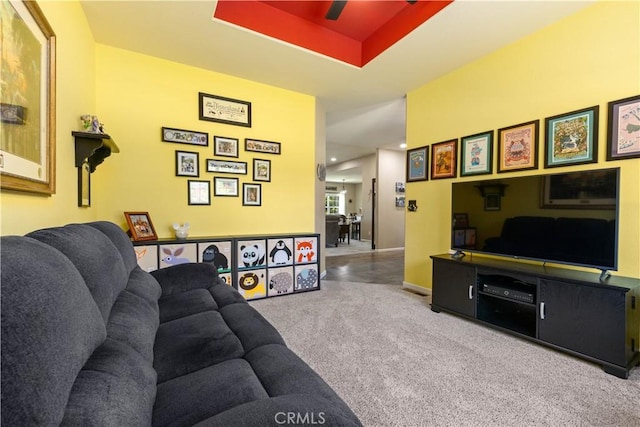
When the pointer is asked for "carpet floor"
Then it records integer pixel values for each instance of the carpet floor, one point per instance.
(397, 363)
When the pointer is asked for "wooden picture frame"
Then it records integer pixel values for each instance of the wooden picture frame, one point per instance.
(25, 166)
(187, 163)
(140, 226)
(225, 146)
(623, 134)
(251, 194)
(572, 138)
(225, 166)
(476, 154)
(444, 159)
(199, 192)
(418, 164)
(182, 136)
(262, 170)
(225, 187)
(84, 185)
(219, 109)
(518, 147)
(261, 146)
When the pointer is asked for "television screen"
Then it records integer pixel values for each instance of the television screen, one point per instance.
(568, 217)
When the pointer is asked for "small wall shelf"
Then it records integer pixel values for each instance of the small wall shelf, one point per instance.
(93, 148)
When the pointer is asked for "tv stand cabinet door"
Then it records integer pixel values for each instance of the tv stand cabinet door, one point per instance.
(454, 288)
(585, 319)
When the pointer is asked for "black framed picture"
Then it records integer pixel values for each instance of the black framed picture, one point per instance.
(261, 170)
(199, 192)
(219, 109)
(251, 194)
(187, 163)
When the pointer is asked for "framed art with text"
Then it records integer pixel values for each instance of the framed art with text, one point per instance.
(28, 108)
(444, 158)
(417, 164)
(518, 147)
(571, 138)
(185, 136)
(199, 192)
(260, 146)
(476, 154)
(224, 110)
(623, 138)
(225, 166)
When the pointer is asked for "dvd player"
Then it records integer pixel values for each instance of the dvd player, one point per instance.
(509, 293)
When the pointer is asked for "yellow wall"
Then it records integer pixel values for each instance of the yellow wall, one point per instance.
(76, 83)
(134, 96)
(587, 59)
(138, 95)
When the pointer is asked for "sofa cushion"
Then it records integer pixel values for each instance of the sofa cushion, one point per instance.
(175, 306)
(50, 327)
(191, 398)
(117, 387)
(194, 342)
(120, 240)
(251, 328)
(95, 257)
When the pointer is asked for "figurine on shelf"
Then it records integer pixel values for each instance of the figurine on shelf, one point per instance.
(181, 230)
(86, 122)
(95, 124)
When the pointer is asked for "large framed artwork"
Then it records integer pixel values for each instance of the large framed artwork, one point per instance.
(417, 164)
(27, 99)
(518, 147)
(623, 139)
(224, 110)
(444, 158)
(476, 154)
(572, 138)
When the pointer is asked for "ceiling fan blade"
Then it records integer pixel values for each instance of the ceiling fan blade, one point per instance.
(335, 9)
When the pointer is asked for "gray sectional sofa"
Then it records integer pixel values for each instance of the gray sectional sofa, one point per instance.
(90, 339)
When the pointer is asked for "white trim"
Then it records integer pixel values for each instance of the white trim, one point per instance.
(415, 288)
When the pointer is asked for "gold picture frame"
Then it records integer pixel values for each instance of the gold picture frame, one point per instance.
(28, 110)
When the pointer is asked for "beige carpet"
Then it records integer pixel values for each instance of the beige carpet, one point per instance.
(396, 363)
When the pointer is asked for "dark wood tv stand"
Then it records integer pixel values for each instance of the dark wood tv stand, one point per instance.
(569, 310)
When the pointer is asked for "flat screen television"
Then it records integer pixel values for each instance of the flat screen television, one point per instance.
(566, 218)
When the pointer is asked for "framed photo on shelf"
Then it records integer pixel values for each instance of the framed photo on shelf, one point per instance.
(185, 136)
(260, 146)
(571, 138)
(623, 138)
(476, 154)
(227, 187)
(460, 220)
(518, 147)
(140, 226)
(224, 166)
(225, 147)
(219, 109)
(444, 158)
(417, 164)
(187, 163)
(199, 192)
(28, 113)
(261, 170)
(251, 194)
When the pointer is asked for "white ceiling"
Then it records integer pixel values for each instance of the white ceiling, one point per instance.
(365, 106)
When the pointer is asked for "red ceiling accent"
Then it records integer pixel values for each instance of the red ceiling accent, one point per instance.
(364, 29)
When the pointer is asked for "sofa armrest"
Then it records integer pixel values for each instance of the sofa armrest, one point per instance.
(185, 277)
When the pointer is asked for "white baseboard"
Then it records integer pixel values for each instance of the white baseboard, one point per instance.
(415, 288)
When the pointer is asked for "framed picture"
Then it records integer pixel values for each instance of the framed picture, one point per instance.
(400, 200)
(27, 140)
(185, 136)
(492, 201)
(224, 110)
(251, 194)
(460, 220)
(140, 226)
(476, 154)
(571, 138)
(518, 147)
(199, 192)
(226, 147)
(225, 187)
(261, 170)
(623, 139)
(470, 237)
(444, 158)
(84, 185)
(400, 187)
(224, 166)
(260, 146)
(187, 163)
(417, 164)
(594, 189)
